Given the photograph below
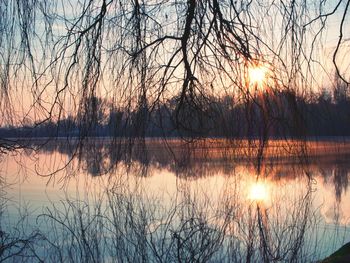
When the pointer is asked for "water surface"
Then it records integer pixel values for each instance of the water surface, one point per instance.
(161, 206)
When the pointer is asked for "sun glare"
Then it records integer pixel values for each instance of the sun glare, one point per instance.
(258, 192)
(257, 75)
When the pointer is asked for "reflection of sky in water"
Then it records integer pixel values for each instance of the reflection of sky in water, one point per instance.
(280, 192)
(284, 181)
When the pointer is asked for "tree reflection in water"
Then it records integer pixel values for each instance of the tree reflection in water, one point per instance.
(161, 208)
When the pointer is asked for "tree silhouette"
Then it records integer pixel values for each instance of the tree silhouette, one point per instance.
(59, 56)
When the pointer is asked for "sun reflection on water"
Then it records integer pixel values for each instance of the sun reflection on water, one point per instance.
(259, 192)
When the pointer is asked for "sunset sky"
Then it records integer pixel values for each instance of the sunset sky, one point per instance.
(58, 72)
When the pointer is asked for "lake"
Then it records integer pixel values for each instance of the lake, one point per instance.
(179, 201)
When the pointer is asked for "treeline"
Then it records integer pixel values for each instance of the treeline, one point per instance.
(266, 114)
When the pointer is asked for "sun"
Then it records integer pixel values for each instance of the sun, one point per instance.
(257, 74)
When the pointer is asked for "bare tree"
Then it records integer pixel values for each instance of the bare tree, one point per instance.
(58, 56)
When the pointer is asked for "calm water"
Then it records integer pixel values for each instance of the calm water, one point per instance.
(163, 208)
